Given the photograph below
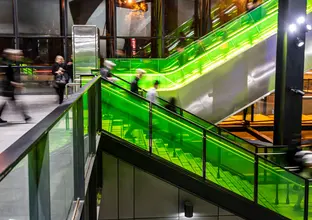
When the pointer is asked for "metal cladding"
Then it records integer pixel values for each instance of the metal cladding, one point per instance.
(85, 48)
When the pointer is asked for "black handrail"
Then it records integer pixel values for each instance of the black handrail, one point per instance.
(204, 129)
(179, 108)
(19, 149)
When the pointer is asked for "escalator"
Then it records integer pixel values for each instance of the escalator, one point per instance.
(196, 159)
(227, 70)
(172, 40)
(125, 86)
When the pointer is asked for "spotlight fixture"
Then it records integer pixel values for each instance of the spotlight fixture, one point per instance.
(309, 27)
(301, 20)
(299, 42)
(188, 209)
(292, 28)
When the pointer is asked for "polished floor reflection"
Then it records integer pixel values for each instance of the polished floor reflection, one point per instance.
(38, 106)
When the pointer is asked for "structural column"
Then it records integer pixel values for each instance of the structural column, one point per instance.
(205, 21)
(157, 29)
(64, 26)
(289, 73)
(111, 28)
(15, 23)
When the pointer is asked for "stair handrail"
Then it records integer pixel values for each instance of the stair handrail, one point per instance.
(256, 156)
(183, 110)
(212, 32)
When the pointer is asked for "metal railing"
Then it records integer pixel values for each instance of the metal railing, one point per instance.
(262, 171)
(47, 164)
(57, 155)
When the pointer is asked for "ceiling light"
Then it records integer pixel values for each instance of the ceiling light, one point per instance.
(299, 42)
(292, 28)
(301, 20)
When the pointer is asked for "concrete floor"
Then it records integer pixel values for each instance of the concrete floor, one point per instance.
(38, 107)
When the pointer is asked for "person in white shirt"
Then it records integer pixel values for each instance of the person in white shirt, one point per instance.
(152, 93)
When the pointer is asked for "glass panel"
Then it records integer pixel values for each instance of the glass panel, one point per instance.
(280, 191)
(41, 51)
(6, 17)
(211, 127)
(125, 115)
(86, 125)
(95, 15)
(85, 79)
(209, 52)
(133, 19)
(6, 43)
(14, 193)
(61, 166)
(39, 17)
(177, 140)
(229, 166)
(37, 79)
(199, 121)
(137, 47)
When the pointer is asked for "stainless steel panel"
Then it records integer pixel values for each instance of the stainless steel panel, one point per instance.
(85, 48)
(236, 84)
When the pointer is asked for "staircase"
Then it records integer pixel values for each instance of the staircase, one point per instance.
(198, 151)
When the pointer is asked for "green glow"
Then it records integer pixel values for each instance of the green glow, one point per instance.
(205, 124)
(180, 142)
(208, 53)
(172, 39)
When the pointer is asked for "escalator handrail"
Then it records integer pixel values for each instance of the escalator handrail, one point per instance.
(204, 129)
(218, 28)
(183, 110)
(175, 54)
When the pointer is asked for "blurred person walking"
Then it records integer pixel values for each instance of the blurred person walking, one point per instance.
(70, 69)
(132, 117)
(11, 83)
(106, 70)
(60, 77)
(304, 159)
(135, 83)
(171, 106)
(172, 128)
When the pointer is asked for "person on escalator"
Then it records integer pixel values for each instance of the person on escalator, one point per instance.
(70, 70)
(152, 94)
(134, 87)
(173, 131)
(106, 70)
(182, 42)
(252, 5)
(305, 158)
(171, 106)
(180, 48)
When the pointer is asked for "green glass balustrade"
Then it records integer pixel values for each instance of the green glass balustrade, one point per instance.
(185, 114)
(152, 128)
(172, 39)
(208, 52)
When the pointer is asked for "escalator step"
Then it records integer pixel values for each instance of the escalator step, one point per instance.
(176, 161)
